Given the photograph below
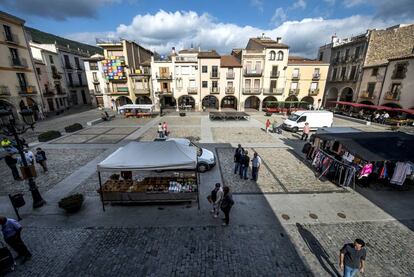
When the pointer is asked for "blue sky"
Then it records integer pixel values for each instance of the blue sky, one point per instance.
(223, 25)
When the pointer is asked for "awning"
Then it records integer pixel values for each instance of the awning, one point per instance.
(157, 155)
(376, 146)
(408, 111)
(352, 104)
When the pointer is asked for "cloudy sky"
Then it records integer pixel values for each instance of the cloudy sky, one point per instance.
(214, 24)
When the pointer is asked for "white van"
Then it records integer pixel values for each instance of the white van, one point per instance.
(316, 119)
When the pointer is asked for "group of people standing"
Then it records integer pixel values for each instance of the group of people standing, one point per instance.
(12, 162)
(163, 130)
(221, 199)
(242, 161)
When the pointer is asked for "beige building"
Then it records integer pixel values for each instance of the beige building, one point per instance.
(127, 72)
(210, 75)
(306, 80)
(19, 87)
(96, 81)
(230, 82)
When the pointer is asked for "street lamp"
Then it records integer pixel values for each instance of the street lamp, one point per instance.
(9, 127)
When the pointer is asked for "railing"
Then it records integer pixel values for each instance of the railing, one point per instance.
(93, 67)
(19, 62)
(214, 75)
(229, 90)
(48, 92)
(122, 89)
(4, 90)
(392, 96)
(252, 91)
(314, 91)
(11, 38)
(26, 90)
(164, 76)
(316, 76)
(95, 80)
(230, 75)
(366, 95)
(62, 91)
(253, 72)
(165, 91)
(274, 74)
(294, 91)
(296, 76)
(273, 91)
(140, 72)
(68, 66)
(399, 75)
(192, 90)
(56, 75)
(142, 91)
(214, 90)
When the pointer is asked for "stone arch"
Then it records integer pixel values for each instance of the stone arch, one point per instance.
(229, 102)
(168, 102)
(272, 55)
(347, 94)
(142, 99)
(280, 55)
(210, 102)
(268, 99)
(310, 102)
(186, 100)
(366, 102)
(252, 102)
(331, 96)
(392, 105)
(123, 100)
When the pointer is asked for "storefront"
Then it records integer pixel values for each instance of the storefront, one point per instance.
(150, 172)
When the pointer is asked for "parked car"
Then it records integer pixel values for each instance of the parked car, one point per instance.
(206, 158)
(316, 119)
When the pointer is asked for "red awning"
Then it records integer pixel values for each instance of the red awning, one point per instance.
(408, 111)
(352, 104)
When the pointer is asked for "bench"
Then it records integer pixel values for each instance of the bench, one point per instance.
(98, 120)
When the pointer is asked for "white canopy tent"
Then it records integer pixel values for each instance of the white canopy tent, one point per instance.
(157, 155)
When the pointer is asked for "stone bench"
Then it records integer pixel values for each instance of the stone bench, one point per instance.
(98, 120)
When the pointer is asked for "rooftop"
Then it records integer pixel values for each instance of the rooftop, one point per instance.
(229, 61)
(212, 54)
(263, 43)
(302, 60)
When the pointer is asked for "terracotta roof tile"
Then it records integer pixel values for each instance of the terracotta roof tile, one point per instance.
(302, 60)
(229, 61)
(209, 54)
(262, 43)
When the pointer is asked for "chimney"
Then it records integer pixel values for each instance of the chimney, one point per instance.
(263, 35)
(333, 38)
(173, 50)
(278, 39)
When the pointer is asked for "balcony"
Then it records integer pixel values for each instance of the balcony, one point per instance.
(4, 91)
(296, 76)
(68, 66)
(60, 91)
(11, 38)
(252, 72)
(95, 81)
(142, 91)
(122, 90)
(163, 76)
(367, 95)
(19, 62)
(214, 75)
(294, 91)
(192, 90)
(395, 96)
(56, 76)
(273, 91)
(140, 72)
(48, 92)
(313, 91)
(274, 74)
(214, 90)
(252, 91)
(230, 75)
(316, 76)
(167, 91)
(229, 90)
(26, 90)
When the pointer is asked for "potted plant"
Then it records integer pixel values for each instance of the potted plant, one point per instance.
(72, 203)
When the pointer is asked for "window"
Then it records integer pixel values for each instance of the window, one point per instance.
(293, 85)
(256, 83)
(280, 56)
(204, 69)
(93, 66)
(80, 79)
(346, 54)
(38, 71)
(274, 71)
(337, 55)
(272, 55)
(314, 86)
(258, 67)
(343, 71)
(179, 83)
(302, 119)
(334, 72)
(14, 55)
(51, 59)
(352, 74)
(395, 91)
(295, 73)
(77, 63)
(273, 84)
(8, 33)
(57, 103)
(321, 56)
(22, 80)
(230, 84)
(214, 84)
(204, 84)
(357, 50)
(67, 62)
(70, 79)
(371, 88)
(247, 83)
(95, 76)
(374, 71)
(185, 70)
(97, 89)
(192, 83)
(316, 71)
(214, 71)
(399, 71)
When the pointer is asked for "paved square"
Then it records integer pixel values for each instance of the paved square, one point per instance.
(75, 139)
(121, 131)
(175, 132)
(106, 139)
(181, 120)
(94, 131)
(241, 135)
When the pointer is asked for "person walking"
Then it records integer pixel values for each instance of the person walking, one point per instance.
(226, 205)
(237, 159)
(352, 258)
(11, 230)
(41, 158)
(306, 131)
(274, 126)
(256, 162)
(11, 163)
(160, 131)
(267, 125)
(245, 160)
(165, 129)
(215, 199)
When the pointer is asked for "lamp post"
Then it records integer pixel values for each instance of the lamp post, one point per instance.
(9, 127)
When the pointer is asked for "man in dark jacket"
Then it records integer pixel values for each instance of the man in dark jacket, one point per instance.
(237, 159)
(226, 205)
(11, 162)
(41, 158)
(11, 230)
(245, 160)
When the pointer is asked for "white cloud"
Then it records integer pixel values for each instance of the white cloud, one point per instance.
(257, 4)
(353, 3)
(300, 4)
(279, 16)
(163, 30)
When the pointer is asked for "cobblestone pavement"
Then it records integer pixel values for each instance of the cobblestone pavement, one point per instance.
(178, 120)
(106, 139)
(390, 246)
(162, 251)
(74, 139)
(121, 121)
(175, 132)
(265, 184)
(61, 163)
(241, 135)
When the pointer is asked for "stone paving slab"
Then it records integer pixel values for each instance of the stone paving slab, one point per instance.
(390, 246)
(104, 139)
(292, 172)
(121, 131)
(241, 135)
(266, 182)
(120, 121)
(94, 131)
(74, 139)
(175, 132)
(61, 163)
(181, 121)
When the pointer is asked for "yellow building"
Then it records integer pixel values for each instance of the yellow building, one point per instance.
(305, 80)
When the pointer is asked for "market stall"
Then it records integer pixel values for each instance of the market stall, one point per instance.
(150, 172)
(363, 157)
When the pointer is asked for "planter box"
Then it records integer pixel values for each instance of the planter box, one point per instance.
(49, 135)
(73, 128)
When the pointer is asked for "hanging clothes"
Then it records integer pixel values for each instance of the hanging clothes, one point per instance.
(400, 173)
(366, 170)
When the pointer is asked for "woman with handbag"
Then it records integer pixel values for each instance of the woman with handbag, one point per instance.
(226, 205)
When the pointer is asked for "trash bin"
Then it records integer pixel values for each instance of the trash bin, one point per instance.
(17, 200)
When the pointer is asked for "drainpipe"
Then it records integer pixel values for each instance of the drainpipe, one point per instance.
(382, 85)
